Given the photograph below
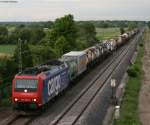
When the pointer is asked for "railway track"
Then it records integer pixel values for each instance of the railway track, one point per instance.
(20, 120)
(72, 114)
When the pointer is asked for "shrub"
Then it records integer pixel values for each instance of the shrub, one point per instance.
(132, 72)
(136, 67)
(141, 45)
(5, 102)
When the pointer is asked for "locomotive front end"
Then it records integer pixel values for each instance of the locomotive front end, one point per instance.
(25, 93)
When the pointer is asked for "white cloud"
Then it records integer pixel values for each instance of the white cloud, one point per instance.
(38, 10)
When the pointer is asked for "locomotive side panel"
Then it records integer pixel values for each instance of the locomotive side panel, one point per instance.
(53, 85)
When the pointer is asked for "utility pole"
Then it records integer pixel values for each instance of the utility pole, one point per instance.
(20, 54)
(113, 85)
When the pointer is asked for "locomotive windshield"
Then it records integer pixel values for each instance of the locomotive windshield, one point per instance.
(26, 84)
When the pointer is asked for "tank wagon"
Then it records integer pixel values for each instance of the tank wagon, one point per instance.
(36, 86)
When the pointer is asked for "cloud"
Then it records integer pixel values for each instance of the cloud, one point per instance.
(41, 10)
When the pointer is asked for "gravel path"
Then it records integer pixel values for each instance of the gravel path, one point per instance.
(144, 99)
(5, 112)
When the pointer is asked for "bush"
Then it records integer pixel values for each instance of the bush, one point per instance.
(141, 45)
(132, 72)
(136, 67)
(5, 102)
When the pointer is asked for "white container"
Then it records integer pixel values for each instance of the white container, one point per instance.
(79, 57)
(113, 44)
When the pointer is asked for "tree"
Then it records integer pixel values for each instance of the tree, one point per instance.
(60, 46)
(21, 26)
(64, 27)
(132, 25)
(42, 53)
(87, 35)
(105, 24)
(3, 35)
(149, 24)
(25, 34)
(14, 36)
(122, 31)
(37, 35)
(22, 33)
(48, 24)
(3, 39)
(23, 55)
(3, 31)
(7, 69)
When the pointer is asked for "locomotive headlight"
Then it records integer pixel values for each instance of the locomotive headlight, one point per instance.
(34, 100)
(16, 99)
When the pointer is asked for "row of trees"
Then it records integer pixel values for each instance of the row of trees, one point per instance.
(7, 69)
(149, 24)
(3, 34)
(107, 23)
(44, 24)
(49, 24)
(32, 35)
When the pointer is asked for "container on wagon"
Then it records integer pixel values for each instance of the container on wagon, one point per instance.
(119, 40)
(98, 50)
(94, 52)
(125, 36)
(101, 50)
(132, 32)
(113, 44)
(36, 86)
(77, 62)
(88, 55)
(107, 46)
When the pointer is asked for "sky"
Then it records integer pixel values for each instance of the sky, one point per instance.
(45, 10)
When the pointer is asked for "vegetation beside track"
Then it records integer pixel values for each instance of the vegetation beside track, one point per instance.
(7, 49)
(129, 108)
(107, 33)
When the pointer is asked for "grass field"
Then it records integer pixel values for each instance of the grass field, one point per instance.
(7, 49)
(107, 33)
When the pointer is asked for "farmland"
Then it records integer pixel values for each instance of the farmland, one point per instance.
(7, 49)
(107, 33)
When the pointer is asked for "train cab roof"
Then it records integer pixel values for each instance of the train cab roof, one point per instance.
(50, 67)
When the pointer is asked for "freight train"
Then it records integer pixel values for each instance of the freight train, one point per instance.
(34, 87)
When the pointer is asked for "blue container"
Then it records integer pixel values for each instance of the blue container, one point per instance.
(56, 81)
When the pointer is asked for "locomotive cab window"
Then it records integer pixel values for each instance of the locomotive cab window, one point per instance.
(26, 84)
